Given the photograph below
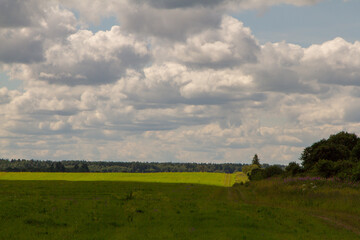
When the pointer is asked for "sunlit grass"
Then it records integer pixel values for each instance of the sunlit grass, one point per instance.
(215, 179)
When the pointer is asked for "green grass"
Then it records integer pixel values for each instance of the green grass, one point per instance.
(335, 203)
(216, 179)
(144, 210)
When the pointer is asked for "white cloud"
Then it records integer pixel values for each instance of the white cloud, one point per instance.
(229, 45)
(176, 81)
(26, 43)
(174, 20)
(87, 58)
(336, 61)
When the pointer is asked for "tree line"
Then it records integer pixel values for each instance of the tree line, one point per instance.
(23, 165)
(335, 157)
(338, 156)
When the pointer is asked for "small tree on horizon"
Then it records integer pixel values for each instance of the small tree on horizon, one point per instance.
(256, 160)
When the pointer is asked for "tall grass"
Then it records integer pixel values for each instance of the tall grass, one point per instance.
(335, 201)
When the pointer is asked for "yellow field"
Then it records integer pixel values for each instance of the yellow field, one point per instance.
(216, 179)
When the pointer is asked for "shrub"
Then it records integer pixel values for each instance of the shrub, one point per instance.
(257, 174)
(324, 168)
(356, 173)
(343, 169)
(293, 168)
(273, 171)
(249, 168)
(355, 153)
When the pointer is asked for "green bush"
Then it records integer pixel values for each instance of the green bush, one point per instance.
(293, 168)
(324, 168)
(257, 174)
(273, 171)
(355, 153)
(247, 169)
(343, 169)
(356, 173)
(262, 173)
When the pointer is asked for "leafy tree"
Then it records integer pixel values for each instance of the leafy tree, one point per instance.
(348, 140)
(332, 152)
(247, 169)
(338, 147)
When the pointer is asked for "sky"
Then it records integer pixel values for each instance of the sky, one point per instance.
(176, 80)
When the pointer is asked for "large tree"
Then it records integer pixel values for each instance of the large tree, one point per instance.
(337, 147)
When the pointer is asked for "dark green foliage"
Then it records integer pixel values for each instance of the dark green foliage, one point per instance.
(348, 140)
(256, 160)
(58, 167)
(308, 156)
(293, 168)
(262, 173)
(324, 168)
(134, 167)
(355, 153)
(324, 150)
(335, 156)
(257, 174)
(332, 152)
(338, 147)
(356, 173)
(273, 170)
(333, 149)
(343, 169)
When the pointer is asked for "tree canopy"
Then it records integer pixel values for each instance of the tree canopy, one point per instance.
(339, 155)
(337, 147)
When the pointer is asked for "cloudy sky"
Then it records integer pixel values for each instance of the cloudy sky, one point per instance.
(176, 80)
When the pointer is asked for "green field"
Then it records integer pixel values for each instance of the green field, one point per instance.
(216, 179)
(117, 208)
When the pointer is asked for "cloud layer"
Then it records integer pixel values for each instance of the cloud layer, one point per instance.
(174, 81)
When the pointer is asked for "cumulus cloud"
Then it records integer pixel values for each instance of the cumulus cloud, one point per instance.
(27, 43)
(175, 81)
(336, 61)
(229, 45)
(87, 58)
(17, 13)
(169, 19)
(20, 46)
(172, 24)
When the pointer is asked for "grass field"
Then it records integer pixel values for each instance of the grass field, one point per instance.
(272, 209)
(216, 179)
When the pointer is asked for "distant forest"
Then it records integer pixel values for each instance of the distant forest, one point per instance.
(22, 165)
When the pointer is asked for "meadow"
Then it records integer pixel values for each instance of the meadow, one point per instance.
(109, 207)
(216, 179)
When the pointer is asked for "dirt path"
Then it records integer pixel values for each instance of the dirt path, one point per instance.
(339, 224)
(227, 180)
